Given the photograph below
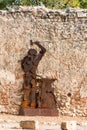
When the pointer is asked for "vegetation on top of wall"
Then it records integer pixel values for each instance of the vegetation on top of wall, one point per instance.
(48, 3)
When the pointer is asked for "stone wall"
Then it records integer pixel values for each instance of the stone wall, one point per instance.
(64, 35)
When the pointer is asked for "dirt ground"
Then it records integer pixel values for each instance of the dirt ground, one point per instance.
(6, 117)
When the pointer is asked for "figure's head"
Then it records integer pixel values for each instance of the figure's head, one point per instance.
(32, 52)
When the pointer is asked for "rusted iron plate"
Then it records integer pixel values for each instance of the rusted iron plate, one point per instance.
(38, 112)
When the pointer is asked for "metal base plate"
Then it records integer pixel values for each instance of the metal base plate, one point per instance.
(38, 112)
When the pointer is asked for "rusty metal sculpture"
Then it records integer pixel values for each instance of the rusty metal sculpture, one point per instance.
(39, 95)
(29, 66)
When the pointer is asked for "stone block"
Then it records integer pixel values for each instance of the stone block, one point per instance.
(27, 124)
(69, 125)
(81, 14)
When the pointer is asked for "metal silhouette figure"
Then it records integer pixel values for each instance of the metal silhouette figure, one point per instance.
(37, 91)
(29, 65)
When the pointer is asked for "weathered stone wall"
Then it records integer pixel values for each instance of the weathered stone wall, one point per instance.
(64, 35)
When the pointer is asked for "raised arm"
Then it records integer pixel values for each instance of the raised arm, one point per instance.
(43, 50)
(40, 54)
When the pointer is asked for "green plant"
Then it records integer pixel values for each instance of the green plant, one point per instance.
(4, 3)
(48, 3)
(83, 3)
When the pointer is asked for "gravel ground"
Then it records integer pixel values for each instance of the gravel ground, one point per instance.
(6, 117)
(12, 122)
